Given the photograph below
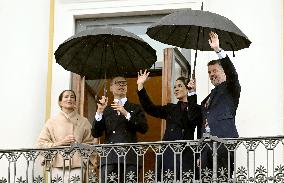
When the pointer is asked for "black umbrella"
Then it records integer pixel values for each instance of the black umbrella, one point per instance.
(103, 53)
(190, 28)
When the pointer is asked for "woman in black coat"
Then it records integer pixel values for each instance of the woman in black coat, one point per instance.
(181, 121)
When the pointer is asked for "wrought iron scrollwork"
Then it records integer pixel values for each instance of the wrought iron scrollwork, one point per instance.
(270, 144)
(251, 145)
(149, 176)
(249, 166)
(21, 180)
(13, 156)
(38, 179)
(279, 173)
(241, 174)
(3, 180)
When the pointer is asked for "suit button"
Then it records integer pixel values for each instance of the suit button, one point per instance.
(208, 112)
(113, 131)
(172, 129)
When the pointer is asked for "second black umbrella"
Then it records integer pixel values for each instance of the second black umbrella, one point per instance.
(190, 29)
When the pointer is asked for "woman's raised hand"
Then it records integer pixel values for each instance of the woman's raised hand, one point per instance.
(142, 77)
(191, 85)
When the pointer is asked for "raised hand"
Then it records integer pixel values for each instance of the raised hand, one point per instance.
(142, 77)
(191, 85)
(102, 105)
(214, 41)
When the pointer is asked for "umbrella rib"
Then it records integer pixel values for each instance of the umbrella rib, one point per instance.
(140, 55)
(233, 41)
(219, 33)
(185, 38)
(172, 31)
(132, 64)
(198, 37)
(103, 58)
(99, 40)
(203, 36)
(86, 60)
(77, 51)
(61, 54)
(112, 48)
(155, 34)
(194, 65)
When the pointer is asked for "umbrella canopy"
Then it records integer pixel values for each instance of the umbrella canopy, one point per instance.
(190, 28)
(102, 53)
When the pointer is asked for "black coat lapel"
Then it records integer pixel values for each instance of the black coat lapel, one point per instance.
(216, 93)
(127, 106)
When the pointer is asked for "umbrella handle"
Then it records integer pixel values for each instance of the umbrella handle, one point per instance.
(231, 48)
(105, 91)
(193, 74)
(194, 65)
(97, 99)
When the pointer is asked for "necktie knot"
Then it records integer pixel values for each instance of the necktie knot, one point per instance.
(119, 102)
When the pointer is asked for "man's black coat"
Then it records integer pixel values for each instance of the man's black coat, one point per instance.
(118, 129)
(222, 103)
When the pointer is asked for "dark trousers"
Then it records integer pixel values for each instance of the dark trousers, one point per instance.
(222, 160)
(112, 173)
(184, 163)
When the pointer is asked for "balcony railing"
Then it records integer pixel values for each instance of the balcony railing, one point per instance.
(249, 160)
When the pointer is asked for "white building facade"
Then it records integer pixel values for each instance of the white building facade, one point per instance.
(32, 30)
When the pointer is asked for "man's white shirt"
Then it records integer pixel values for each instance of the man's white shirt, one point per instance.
(121, 101)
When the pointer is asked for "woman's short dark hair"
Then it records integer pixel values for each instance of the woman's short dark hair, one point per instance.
(184, 80)
(61, 95)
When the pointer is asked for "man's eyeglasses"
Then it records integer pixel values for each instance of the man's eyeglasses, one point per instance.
(120, 83)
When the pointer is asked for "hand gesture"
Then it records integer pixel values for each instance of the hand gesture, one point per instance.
(214, 41)
(102, 105)
(191, 85)
(67, 140)
(142, 77)
(119, 108)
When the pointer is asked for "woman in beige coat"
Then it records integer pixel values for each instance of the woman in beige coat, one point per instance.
(65, 128)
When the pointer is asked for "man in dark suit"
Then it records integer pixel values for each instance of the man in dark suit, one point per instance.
(219, 107)
(120, 121)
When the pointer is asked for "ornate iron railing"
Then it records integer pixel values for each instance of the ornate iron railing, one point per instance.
(248, 160)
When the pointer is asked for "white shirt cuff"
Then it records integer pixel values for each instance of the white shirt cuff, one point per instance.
(98, 116)
(222, 54)
(128, 116)
(190, 93)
